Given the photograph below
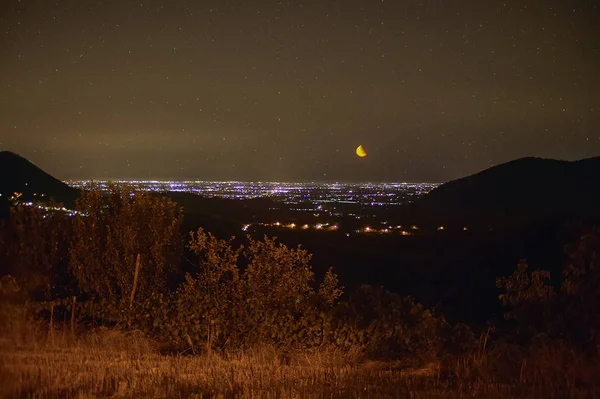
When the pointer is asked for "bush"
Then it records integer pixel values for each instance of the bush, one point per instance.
(571, 313)
(387, 325)
(580, 292)
(124, 250)
(17, 326)
(528, 299)
(35, 243)
(270, 302)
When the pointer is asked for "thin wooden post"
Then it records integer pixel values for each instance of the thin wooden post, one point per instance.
(52, 318)
(73, 315)
(52, 323)
(135, 280)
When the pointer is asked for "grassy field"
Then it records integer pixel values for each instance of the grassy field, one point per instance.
(110, 363)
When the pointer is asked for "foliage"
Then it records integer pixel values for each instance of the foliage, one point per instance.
(572, 313)
(527, 297)
(270, 301)
(125, 246)
(262, 296)
(115, 232)
(582, 270)
(35, 246)
(387, 325)
(261, 293)
(525, 287)
(581, 291)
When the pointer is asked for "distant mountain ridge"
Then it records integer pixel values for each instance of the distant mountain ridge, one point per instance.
(523, 188)
(21, 175)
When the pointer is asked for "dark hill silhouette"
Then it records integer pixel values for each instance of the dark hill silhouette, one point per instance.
(522, 190)
(20, 175)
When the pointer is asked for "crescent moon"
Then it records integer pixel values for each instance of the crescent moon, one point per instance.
(360, 151)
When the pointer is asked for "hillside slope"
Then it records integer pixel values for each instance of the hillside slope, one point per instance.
(20, 175)
(522, 189)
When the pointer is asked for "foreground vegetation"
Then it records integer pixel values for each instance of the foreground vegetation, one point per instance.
(115, 302)
(114, 363)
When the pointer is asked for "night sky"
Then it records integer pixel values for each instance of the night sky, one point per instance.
(286, 90)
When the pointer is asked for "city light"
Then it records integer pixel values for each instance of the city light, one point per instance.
(15, 199)
(315, 200)
(313, 194)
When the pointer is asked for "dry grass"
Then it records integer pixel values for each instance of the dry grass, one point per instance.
(113, 364)
(37, 363)
(81, 373)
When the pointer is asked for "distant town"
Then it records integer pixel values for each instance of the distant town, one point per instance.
(314, 193)
(347, 208)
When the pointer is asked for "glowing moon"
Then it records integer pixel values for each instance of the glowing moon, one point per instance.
(360, 151)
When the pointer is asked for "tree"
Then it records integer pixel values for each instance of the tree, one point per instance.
(527, 296)
(268, 301)
(34, 240)
(572, 313)
(118, 233)
(385, 324)
(581, 291)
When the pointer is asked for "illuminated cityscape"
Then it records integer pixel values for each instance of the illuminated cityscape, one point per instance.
(347, 208)
(373, 194)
